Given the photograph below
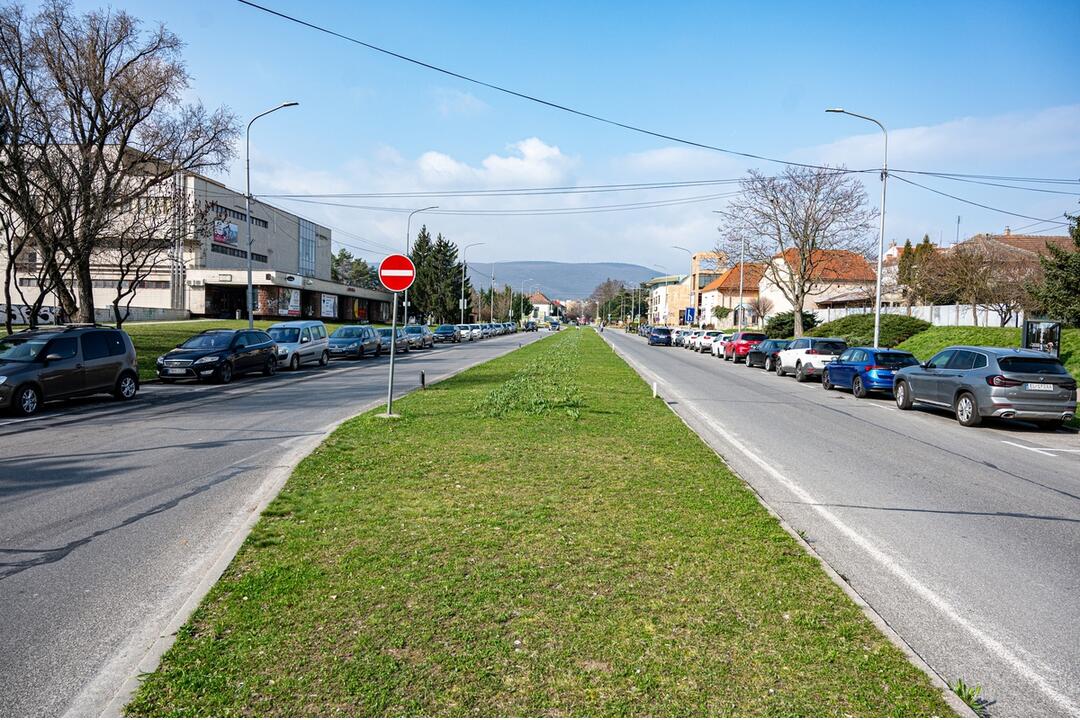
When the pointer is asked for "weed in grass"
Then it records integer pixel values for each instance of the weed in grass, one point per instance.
(972, 697)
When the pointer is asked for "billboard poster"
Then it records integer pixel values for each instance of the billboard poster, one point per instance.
(329, 305)
(294, 303)
(225, 233)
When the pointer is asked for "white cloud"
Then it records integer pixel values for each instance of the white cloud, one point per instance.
(449, 101)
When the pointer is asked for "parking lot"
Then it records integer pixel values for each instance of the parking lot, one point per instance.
(964, 540)
(113, 512)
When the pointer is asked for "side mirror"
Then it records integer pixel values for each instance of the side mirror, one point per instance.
(925, 365)
(240, 346)
(304, 341)
(53, 357)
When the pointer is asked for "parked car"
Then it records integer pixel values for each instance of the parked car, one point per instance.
(737, 346)
(864, 370)
(419, 336)
(554, 326)
(355, 341)
(717, 348)
(807, 356)
(679, 336)
(477, 331)
(465, 331)
(219, 356)
(660, 336)
(979, 382)
(402, 344)
(38, 366)
(530, 326)
(301, 341)
(447, 334)
(691, 339)
(764, 354)
(705, 342)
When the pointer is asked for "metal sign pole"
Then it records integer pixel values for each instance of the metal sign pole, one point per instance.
(393, 352)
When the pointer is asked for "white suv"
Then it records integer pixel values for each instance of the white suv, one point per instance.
(806, 357)
(705, 342)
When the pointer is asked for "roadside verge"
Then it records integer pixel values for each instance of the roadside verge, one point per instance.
(536, 536)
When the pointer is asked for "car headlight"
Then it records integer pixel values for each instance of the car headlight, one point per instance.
(207, 359)
(3, 379)
(353, 346)
(160, 359)
(282, 351)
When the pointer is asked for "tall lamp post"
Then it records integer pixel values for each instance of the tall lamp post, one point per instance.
(742, 271)
(408, 240)
(521, 305)
(463, 251)
(247, 206)
(881, 234)
(693, 290)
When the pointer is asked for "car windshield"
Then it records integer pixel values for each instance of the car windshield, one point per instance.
(21, 349)
(348, 332)
(285, 334)
(385, 332)
(896, 360)
(445, 328)
(713, 333)
(1047, 366)
(753, 337)
(413, 329)
(208, 341)
(661, 331)
(830, 347)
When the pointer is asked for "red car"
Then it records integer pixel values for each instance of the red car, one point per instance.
(737, 347)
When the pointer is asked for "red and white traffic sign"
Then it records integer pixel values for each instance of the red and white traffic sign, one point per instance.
(397, 273)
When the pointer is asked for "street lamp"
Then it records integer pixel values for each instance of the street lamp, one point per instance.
(521, 305)
(881, 234)
(742, 268)
(693, 290)
(408, 239)
(463, 251)
(247, 206)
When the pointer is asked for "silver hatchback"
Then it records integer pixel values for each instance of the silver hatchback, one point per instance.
(980, 382)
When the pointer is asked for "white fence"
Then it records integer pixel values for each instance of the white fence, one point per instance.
(952, 315)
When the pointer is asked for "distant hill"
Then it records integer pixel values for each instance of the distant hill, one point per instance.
(557, 280)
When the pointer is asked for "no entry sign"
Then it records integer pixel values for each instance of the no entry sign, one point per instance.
(397, 272)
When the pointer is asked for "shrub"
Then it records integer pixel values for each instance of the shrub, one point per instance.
(859, 329)
(782, 325)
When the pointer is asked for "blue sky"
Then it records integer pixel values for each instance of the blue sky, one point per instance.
(980, 87)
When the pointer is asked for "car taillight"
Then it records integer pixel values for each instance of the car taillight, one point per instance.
(1002, 381)
(868, 368)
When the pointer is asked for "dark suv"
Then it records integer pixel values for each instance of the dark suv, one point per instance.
(37, 366)
(219, 355)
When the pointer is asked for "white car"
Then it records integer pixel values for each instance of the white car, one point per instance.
(718, 344)
(806, 357)
(692, 339)
(300, 341)
(705, 342)
(466, 332)
(477, 331)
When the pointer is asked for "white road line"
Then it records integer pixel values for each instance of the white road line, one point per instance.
(1028, 447)
(939, 603)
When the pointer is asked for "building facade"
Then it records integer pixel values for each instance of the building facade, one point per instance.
(669, 296)
(201, 269)
(725, 292)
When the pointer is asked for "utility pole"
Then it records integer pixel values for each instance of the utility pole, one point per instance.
(408, 239)
(463, 251)
(492, 293)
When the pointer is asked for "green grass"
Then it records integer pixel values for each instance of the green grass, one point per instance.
(485, 556)
(859, 329)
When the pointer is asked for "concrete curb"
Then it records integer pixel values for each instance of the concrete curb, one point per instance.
(955, 703)
(96, 700)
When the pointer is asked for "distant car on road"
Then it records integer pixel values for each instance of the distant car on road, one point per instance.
(465, 331)
(807, 356)
(419, 336)
(737, 347)
(979, 382)
(38, 366)
(355, 341)
(447, 334)
(219, 356)
(660, 336)
(402, 344)
(717, 348)
(864, 370)
(530, 326)
(764, 354)
(690, 341)
(705, 342)
(301, 341)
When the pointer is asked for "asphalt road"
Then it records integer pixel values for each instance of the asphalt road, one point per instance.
(965, 540)
(112, 515)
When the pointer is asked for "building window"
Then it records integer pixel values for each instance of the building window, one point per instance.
(142, 285)
(233, 252)
(239, 215)
(307, 247)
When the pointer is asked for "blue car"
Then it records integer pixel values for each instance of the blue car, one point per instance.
(660, 336)
(864, 370)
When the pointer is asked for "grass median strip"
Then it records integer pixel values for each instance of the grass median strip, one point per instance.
(484, 556)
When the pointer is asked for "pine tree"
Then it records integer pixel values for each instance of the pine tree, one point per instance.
(422, 291)
(1059, 293)
(447, 280)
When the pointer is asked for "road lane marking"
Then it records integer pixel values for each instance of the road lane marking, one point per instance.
(943, 606)
(1028, 447)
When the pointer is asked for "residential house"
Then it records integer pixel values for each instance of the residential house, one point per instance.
(669, 296)
(838, 276)
(724, 292)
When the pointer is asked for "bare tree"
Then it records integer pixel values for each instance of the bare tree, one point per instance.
(95, 112)
(760, 306)
(963, 273)
(794, 224)
(1010, 273)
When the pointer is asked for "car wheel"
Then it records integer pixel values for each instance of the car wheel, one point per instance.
(27, 400)
(126, 386)
(767, 364)
(967, 411)
(324, 359)
(857, 388)
(378, 350)
(779, 368)
(904, 400)
(224, 374)
(800, 374)
(270, 367)
(294, 362)
(825, 383)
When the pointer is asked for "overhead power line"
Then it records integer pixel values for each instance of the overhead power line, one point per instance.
(901, 178)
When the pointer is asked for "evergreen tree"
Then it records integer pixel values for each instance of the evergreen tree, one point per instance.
(447, 281)
(1059, 293)
(422, 292)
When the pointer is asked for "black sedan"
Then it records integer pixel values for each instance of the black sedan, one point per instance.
(355, 341)
(219, 355)
(447, 333)
(764, 354)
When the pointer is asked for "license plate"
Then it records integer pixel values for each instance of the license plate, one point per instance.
(175, 371)
(1039, 386)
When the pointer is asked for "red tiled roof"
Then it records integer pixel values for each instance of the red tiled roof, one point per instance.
(539, 298)
(835, 265)
(729, 281)
(1030, 243)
